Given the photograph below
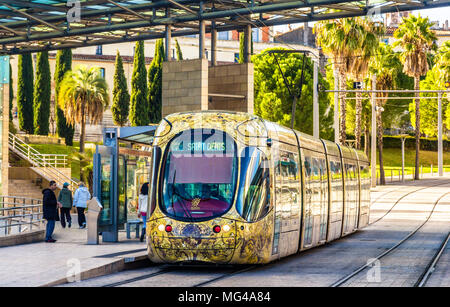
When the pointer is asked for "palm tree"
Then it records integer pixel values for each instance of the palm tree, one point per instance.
(415, 37)
(83, 95)
(359, 65)
(383, 64)
(340, 39)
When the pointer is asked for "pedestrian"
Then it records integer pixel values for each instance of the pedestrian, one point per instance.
(143, 205)
(80, 199)
(66, 200)
(50, 210)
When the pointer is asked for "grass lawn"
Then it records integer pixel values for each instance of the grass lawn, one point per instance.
(392, 159)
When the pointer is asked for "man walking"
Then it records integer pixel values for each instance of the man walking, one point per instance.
(50, 207)
(66, 200)
(80, 200)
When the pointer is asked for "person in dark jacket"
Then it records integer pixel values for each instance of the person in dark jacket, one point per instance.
(65, 198)
(50, 207)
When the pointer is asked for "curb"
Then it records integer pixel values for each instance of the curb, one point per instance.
(127, 263)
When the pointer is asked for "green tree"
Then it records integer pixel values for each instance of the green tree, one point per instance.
(139, 110)
(25, 85)
(155, 83)
(63, 64)
(341, 40)
(121, 99)
(273, 101)
(11, 93)
(415, 37)
(83, 94)
(42, 93)
(179, 53)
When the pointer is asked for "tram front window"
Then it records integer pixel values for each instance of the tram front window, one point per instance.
(199, 175)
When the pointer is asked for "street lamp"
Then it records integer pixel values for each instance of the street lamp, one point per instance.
(403, 138)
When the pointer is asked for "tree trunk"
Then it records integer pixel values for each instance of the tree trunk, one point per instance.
(82, 130)
(417, 100)
(380, 143)
(358, 111)
(343, 107)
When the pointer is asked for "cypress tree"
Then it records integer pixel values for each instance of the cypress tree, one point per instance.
(121, 98)
(179, 53)
(155, 83)
(25, 93)
(11, 93)
(42, 93)
(139, 105)
(63, 64)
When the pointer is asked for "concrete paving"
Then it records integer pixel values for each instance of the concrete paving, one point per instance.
(43, 263)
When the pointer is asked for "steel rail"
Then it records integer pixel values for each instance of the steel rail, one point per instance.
(390, 250)
(432, 265)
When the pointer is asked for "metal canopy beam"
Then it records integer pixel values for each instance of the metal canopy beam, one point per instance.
(120, 16)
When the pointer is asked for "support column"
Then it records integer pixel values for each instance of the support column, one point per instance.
(316, 128)
(4, 122)
(168, 42)
(373, 149)
(336, 106)
(201, 40)
(247, 43)
(213, 44)
(440, 160)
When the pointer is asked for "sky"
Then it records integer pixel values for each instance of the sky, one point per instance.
(437, 14)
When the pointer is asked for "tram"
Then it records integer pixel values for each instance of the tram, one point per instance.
(230, 187)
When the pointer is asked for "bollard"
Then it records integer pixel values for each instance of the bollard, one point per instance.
(94, 208)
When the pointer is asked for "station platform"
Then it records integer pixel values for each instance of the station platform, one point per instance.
(47, 264)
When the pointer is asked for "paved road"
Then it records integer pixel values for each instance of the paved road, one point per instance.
(327, 264)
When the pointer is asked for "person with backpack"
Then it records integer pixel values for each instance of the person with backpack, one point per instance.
(80, 200)
(66, 200)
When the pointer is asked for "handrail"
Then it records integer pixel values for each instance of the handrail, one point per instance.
(35, 158)
(28, 213)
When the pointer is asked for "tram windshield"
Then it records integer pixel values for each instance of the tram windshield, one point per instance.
(199, 175)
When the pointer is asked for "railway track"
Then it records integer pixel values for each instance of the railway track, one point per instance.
(396, 246)
(398, 200)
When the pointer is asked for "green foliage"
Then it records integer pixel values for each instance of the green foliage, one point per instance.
(83, 96)
(272, 99)
(179, 53)
(121, 98)
(429, 107)
(63, 64)
(25, 85)
(42, 93)
(155, 83)
(241, 48)
(11, 93)
(139, 110)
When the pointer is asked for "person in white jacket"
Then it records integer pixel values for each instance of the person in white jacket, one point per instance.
(80, 199)
(142, 210)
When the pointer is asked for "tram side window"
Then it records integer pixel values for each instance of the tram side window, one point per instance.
(254, 201)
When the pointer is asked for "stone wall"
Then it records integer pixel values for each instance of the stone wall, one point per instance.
(184, 86)
(191, 85)
(232, 79)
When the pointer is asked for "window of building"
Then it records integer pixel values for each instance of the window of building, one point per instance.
(223, 35)
(99, 50)
(102, 72)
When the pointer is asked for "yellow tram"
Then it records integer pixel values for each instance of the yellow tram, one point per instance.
(230, 187)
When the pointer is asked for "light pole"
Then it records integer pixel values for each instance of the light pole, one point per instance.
(373, 149)
(403, 138)
(440, 162)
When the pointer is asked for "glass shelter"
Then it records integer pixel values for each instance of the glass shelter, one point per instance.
(121, 166)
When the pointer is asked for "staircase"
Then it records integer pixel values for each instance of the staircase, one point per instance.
(24, 188)
(44, 165)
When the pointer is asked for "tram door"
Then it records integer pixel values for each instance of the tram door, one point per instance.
(288, 199)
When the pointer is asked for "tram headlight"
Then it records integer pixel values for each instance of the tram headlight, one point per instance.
(226, 228)
(161, 227)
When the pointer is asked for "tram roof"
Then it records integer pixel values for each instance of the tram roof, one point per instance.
(36, 25)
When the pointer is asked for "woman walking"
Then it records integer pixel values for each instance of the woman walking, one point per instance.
(80, 200)
(66, 200)
(142, 210)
